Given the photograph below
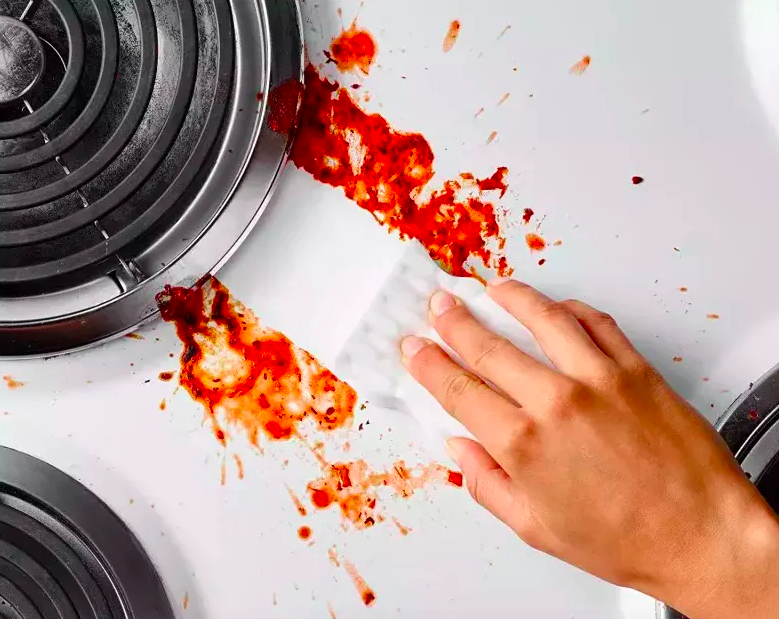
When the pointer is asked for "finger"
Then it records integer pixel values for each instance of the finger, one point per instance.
(559, 334)
(605, 332)
(494, 358)
(498, 424)
(489, 485)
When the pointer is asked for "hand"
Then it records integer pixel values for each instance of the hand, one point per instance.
(598, 462)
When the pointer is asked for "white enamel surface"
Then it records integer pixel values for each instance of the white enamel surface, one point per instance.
(706, 71)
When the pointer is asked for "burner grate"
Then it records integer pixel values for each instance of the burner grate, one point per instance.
(126, 126)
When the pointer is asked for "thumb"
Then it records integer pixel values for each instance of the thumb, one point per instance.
(487, 482)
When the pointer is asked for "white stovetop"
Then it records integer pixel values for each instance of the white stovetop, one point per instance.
(707, 71)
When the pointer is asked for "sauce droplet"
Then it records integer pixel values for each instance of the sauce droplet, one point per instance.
(353, 49)
(304, 532)
(451, 36)
(580, 67)
(535, 242)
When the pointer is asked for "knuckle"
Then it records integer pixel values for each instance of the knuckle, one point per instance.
(552, 311)
(569, 396)
(455, 387)
(521, 437)
(489, 350)
(602, 319)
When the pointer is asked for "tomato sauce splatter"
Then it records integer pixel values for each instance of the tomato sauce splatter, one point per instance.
(247, 376)
(580, 67)
(713, 316)
(504, 98)
(492, 137)
(185, 602)
(451, 36)
(366, 593)
(558, 243)
(403, 530)
(304, 532)
(753, 414)
(239, 465)
(166, 377)
(535, 242)
(331, 610)
(386, 172)
(163, 404)
(134, 336)
(298, 503)
(678, 359)
(455, 478)
(354, 48)
(283, 104)
(683, 289)
(353, 487)
(637, 180)
(527, 215)
(11, 383)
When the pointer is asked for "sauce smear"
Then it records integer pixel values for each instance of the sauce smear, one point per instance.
(386, 172)
(451, 36)
(248, 376)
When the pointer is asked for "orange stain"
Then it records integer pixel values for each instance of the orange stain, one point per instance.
(535, 242)
(11, 383)
(580, 67)
(185, 603)
(403, 530)
(239, 465)
(504, 98)
(134, 336)
(492, 137)
(163, 404)
(354, 48)
(366, 593)
(678, 359)
(298, 503)
(713, 316)
(451, 36)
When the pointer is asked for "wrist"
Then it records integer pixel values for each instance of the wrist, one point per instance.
(735, 572)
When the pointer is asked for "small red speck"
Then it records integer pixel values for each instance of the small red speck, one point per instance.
(455, 478)
(558, 243)
(637, 180)
(713, 316)
(678, 359)
(683, 289)
(542, 262)
(535, 242)
(185, 603)
(753, 414)
(304, 532)
(527, 215)
(260, 96)
(580, 67)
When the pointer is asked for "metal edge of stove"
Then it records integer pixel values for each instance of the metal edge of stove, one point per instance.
(36, 485)
(278, 25)
(750, 429)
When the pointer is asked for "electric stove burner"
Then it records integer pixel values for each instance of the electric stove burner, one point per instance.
(64, 554)
(135, 152)
(750, 427)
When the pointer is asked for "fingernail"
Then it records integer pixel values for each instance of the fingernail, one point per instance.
(453, 451)
(411, 345)
(494, 283)
(441, 302)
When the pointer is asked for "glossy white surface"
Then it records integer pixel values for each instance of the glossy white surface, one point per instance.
(685, 95)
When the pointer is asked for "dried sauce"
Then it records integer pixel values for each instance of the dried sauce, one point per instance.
(353, 485)
(11, 383)
(535, 242)
(527, 215)
(248, 376)
(386, 171)
(354, 48)
(451, 36)
(580, 67)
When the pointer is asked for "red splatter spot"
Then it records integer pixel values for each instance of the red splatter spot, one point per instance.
(166, 377)
(163, 405)
(366, 593)
(403, 530)
(283, 103)
(535, 242)
(451, 36)
(239, 465)
(713, 316)
(678, 359)
(455, 478)
(753, 414)
(260, 96)
(558, 243)
(637, 180)
(527, 215)
(580, 67)
(491, 137)
(683, 289)
(247, 375)
(134, 336)
(386, 173)
(298, 503)
(542, 262)
(304, 532)
(185, 602)
(353, 49)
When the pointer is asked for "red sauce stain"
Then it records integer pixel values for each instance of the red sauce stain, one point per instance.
(246, 375)
(637, 180)
(403, 530)
(185, 603)
(753, 414)
(352, 486)
(166, 377)
(451, 36)
(580, 67)
(333, 556)
(492, 137)
(354, 48)
(455, 478)
(298, 503)
(134, 336)
(366, 593)
(163, 405)
(678, 359)
(713, 316)
(283, 104)
(542, 262)
(260, 96)
(504, 98)
(535, 242)
(239, 465)
(386, 173)
(304, 533)
(558, 243)
(683, 289)
(331, 611)
(11, 383)
(223, 474)
(527, 215)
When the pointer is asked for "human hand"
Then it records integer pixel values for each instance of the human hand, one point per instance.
(598, 461)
